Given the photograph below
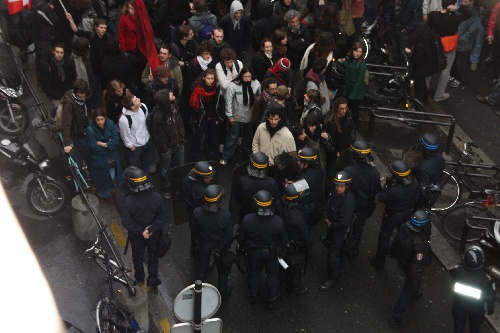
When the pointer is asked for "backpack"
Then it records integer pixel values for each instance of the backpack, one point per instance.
(205, 31)
(144, 109)
(236, 65)
(441, 61)
(150, 121)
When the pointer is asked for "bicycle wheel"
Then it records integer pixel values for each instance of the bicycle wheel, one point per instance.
(103, 312)
(454, 221)
(450, 192)
(116, 273)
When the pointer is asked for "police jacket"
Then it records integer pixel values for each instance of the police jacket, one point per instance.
(192, 193)
(142, 209)
(365, 182)
(412, 250)
(247, 186)
(314, 178)
(430, 171)
(213, 227)
(295, 222)
(262, 232)
(399, 198)
(340, 209)
(477, 280)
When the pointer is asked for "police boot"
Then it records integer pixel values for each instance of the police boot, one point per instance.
(153, 281)
(226, 292)
(139, 277)
(273, 304)
(331, 262)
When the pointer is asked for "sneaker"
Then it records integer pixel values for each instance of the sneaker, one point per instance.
(451, 79)
(485, 99)
(223, 162)
(328, 284)
(166, 195)
(473, 67)
(152, 169)
(396, 323)
(455, 83)
(439, 99)
(153, 281)
(375, 263)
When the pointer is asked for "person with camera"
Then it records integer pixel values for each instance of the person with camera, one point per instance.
(213, 229)
(400, 194)
(143, 215)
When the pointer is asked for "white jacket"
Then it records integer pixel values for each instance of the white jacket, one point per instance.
(137, 134)
(225, 78)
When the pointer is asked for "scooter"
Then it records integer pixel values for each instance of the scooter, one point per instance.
(21, 158)
(14, 117)
(490, 243)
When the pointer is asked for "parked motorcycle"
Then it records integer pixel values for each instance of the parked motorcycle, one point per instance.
(14, 117)
(490, 243)
(376, 50)
(45, 194)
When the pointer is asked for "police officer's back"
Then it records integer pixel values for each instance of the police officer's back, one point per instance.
(430, 170)
(473, 289)
(311, 171)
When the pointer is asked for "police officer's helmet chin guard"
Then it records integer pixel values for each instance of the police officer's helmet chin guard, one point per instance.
(308, 155)
(263, 203)
(212, 197)
(203, 170)
(258, 165)
(342, 178)
(429, 143)
(136, 179)
(401, 172)
(294, 191)
(361, 151)
(474, 258)
(420, 217)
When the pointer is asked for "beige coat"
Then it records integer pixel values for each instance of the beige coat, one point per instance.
(281, 142)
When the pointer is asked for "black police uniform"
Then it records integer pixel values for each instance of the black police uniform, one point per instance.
(412, 249)
(464, 306)
(298, 236)
(430, 176)
(340, 212)
(142, 209)
(214, 232)
(314, 176)
(365, 186)
(399, 202)
(192, 193)
(261, 236)
(245, 189)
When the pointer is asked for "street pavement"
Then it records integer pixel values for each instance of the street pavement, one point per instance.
(361, 302)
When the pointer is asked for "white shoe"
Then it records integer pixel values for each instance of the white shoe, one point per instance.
(445, 96)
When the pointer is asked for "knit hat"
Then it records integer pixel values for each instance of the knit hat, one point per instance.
(282, 65)
(161, 72)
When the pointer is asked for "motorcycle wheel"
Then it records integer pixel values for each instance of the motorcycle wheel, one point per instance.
(413, 105)
(56, 201)
(20, 124)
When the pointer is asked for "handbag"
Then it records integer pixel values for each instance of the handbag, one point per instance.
(164, 242)
(345, 19)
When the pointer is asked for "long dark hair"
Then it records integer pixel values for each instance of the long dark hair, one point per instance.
(330, 15)
(239, 79)
(323, 45)
(334, 118)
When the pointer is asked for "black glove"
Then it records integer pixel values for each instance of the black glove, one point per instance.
(390, 181)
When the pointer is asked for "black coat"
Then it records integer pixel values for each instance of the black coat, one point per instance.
(51, 82)
(158, 13)
(423, 58)
(265, 26)
(240, 38)
(119, 67)
(261, 63)
(295, 46)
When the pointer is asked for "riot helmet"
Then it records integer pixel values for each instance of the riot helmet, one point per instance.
(361, 151)
(136, 179)
(401, 172)
(294, 191)
(203, 170)
(342, 178)
(420, 217)
(212, 197)
(429, 143)
(263, 202)
(474, 258)
(258, 164)
(308, 155)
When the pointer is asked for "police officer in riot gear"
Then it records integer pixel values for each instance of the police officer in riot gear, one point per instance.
(400, 194)
(473, 288)
(263, 234)
(213, 229)
(412, 249)
(339, 216)
(310, 170)
(298, 235)
(256, 180)
(193, 188)
(430, 171)
(366, 185)
(143, 214)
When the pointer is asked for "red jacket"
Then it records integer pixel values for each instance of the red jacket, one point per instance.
(492, 22)
(126, 34)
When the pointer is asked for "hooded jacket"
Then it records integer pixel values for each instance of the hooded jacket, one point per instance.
(266, 24)
(237, 33)
(137, 134)
(170, 132)
(198, 19)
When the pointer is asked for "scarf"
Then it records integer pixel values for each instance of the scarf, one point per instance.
(204, 63)
(81, 69)
(83, 108)
(201, 92)
(247, 92)
(273, 130)
(60, 68)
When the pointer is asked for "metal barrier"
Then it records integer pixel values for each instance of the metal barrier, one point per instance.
(384, 66)
(373, 115)
(467, 226)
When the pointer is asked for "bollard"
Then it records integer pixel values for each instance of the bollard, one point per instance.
(84, 225)
(137, 305)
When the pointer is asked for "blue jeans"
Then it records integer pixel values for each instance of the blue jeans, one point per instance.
(478, 45)
(105, 192)
(246, 130)
(140, 157)
(495, 93)
(81, 152)
(173, 158)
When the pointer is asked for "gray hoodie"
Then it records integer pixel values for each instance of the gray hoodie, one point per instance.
(234, 102)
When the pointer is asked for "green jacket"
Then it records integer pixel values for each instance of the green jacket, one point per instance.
(354, 79)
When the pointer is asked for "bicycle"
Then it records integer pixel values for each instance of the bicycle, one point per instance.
(487, 204)
(108, 316)
(461, 176)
